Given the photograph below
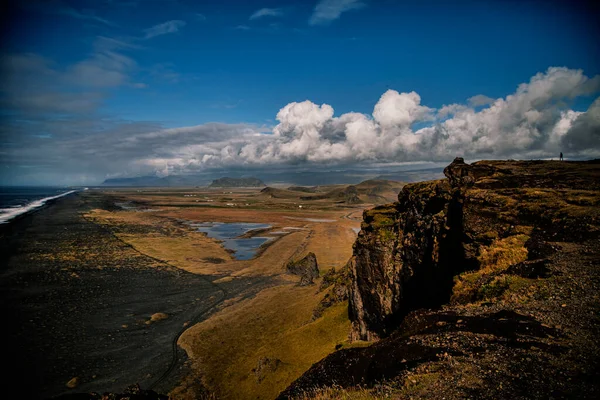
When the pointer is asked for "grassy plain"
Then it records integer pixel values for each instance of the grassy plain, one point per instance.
(253, 347)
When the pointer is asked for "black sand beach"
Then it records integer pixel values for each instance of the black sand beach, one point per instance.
(87, 314)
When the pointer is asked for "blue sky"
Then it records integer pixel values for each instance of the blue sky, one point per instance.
(142, 66)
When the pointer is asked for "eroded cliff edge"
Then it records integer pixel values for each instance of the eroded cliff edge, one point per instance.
(482, 284)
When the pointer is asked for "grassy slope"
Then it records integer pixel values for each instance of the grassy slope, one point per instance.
(276, 324)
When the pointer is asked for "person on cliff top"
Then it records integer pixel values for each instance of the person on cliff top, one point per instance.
(561, 156)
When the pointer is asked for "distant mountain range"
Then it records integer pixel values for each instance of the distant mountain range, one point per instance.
(284, 177)
(375, 191)
(171, 180)
(236, 182)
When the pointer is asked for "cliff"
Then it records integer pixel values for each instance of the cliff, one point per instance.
(484, 284)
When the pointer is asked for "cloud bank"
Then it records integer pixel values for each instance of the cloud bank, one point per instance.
(533, 122)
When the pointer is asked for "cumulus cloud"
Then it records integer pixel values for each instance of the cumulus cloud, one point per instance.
(533, 122)
(164, 28)
(329, 10)
(266, 12)
(480, 100)
(580, 132)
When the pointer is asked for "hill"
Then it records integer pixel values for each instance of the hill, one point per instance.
(370, 191)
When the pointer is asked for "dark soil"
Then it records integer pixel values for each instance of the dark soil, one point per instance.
(76, 302)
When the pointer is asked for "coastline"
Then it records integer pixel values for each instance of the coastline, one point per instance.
(34, 206)
(78, 302)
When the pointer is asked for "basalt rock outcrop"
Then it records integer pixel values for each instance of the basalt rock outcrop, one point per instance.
(306, 268)
(481, 285)
(408, 253)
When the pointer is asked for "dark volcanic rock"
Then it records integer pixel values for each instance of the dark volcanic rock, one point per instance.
(405, 257)
(337, 283)
(306, 268)
(133, 392)
(481, 285)
(408, 252)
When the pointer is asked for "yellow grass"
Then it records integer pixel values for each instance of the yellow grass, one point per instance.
(493, 260)
(275, 324)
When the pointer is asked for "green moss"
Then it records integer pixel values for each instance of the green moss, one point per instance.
(495, 288)
(379, 217)
(386, 235)
(381, 221)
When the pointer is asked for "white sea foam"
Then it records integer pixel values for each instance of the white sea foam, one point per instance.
(6, 214)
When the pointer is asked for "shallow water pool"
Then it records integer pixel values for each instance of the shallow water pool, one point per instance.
(228, 233)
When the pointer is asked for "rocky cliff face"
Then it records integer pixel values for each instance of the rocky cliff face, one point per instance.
(481, 285)
(404, 249)
(408, 253)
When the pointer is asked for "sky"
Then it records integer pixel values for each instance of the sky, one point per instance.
(91, 90)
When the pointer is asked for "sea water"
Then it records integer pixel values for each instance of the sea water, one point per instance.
(17, 200)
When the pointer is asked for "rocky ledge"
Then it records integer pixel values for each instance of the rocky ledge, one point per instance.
(481, 285)
(307, 268)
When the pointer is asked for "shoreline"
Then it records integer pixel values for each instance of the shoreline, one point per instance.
(28, 209)
(77, 302)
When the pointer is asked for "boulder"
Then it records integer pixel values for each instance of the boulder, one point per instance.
(307, 268)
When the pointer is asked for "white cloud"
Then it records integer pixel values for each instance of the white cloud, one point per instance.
(164, 28)
(480, 100)
(580, 132)
(450, 109)
(532, 122)
(400, 109)
(266, 12)
(328, 10)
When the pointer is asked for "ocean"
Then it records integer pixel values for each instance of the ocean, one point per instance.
(16, 200)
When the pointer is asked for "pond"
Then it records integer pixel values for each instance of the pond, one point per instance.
(228, 233)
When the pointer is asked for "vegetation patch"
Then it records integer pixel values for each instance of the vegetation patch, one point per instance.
(494, 260)
(277, 325)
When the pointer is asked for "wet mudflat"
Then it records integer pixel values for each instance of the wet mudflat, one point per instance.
(78, 302)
